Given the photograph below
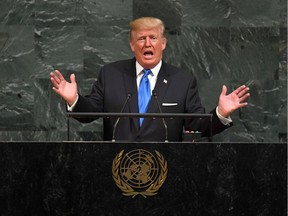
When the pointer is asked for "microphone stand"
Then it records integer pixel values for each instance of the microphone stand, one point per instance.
(118, 119)
(163, 120)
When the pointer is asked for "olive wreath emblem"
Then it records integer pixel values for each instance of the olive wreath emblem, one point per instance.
(127, 189)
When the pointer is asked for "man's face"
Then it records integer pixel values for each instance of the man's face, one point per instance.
(148, 46)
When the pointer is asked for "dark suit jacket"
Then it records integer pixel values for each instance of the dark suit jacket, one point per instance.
(173, 86)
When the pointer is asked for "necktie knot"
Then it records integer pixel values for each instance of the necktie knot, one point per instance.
(146, 73)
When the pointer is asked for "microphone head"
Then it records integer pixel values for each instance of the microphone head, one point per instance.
(154, 93)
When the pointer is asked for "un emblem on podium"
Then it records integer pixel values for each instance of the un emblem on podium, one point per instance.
(139, 172)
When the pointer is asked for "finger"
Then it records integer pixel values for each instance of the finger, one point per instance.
(54, 82)
(56, 90)
(243, 92)
(244, 97)
(73, 78)
(55, 77)
(224, 90)
(242, 105)
(59, 75)
(52, 74)
(239, 89)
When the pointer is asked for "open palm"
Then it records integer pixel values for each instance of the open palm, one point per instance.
(233, 101)
(68, 91)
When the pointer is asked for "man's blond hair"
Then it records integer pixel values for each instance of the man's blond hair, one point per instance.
(147, 23)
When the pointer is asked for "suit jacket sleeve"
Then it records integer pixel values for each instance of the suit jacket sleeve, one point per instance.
(93, 102)
(193, 105)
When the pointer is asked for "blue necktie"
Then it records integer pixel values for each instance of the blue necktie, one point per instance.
(144, 93)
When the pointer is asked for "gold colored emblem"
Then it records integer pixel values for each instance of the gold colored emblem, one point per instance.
(139, 172)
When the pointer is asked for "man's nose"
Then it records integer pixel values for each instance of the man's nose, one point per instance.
(147, 41)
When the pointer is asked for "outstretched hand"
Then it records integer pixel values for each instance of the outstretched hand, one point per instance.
(68, 91)
(229, 103)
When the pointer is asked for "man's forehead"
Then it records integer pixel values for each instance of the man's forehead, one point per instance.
(151, 31)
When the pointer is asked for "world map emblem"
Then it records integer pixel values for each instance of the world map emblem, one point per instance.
(139, 172)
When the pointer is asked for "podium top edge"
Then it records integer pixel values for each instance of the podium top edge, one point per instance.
(137, 115)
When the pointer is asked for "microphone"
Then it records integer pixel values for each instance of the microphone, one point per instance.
(117, 121)
(163, 120)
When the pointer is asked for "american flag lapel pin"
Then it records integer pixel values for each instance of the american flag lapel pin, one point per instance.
(165, 81)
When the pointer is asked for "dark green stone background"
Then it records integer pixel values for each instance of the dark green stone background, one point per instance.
(220, 42)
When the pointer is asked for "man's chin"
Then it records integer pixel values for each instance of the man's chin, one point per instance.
(149, 63)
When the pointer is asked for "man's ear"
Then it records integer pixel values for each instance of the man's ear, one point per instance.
(132, 46)
(164, 41)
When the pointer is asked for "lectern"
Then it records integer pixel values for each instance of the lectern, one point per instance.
(68, 178)
(78, 178)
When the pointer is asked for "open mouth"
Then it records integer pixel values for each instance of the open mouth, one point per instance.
(148, 53)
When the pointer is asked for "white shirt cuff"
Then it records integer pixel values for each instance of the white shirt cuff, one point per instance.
(70, 108)
(225, 121)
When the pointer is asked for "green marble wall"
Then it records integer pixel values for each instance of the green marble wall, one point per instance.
(220, 42)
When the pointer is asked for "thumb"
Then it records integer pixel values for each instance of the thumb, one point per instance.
(73, 78)
(224, 90)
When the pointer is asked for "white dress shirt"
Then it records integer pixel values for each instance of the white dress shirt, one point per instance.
(152, 76)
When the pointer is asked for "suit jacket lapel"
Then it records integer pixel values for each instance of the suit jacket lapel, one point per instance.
(160, 89)
(131, 88)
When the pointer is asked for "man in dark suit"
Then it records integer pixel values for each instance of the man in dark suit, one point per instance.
(175, 90)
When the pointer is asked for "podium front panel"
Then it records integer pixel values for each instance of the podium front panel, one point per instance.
(78, 178)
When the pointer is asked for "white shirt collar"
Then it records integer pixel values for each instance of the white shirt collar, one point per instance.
(154, 70)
